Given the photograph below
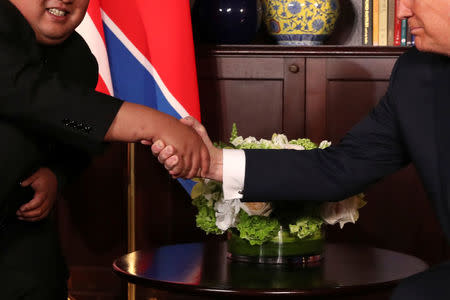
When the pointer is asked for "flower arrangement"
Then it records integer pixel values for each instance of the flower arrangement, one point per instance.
(260, 222)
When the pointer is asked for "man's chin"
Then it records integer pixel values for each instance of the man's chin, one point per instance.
(51, 40)
(421, 47)
(432, 48)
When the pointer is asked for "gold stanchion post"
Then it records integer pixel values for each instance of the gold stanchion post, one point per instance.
(131, 210)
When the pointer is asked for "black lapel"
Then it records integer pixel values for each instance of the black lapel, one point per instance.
(442, 94)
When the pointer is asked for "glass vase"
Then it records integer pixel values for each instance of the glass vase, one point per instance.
(285, 248)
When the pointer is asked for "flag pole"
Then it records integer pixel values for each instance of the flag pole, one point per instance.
(131, 209)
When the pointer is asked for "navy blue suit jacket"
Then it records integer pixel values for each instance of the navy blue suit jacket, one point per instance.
(411, 124)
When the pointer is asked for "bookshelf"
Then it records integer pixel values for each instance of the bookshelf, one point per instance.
(380, 25)
(349, 28)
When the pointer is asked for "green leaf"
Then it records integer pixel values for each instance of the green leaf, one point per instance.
(306, 227)
(206, 216)
(257, 229)
(305, 143)
(234, 132)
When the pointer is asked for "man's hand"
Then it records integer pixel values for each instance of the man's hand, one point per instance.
(169, 158)
(192, 154)
(45, 186)
(136, 122)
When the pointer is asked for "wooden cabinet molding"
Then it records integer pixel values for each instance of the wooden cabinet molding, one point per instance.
(276, 50)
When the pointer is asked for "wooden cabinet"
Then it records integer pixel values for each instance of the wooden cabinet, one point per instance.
(267, 89)
(248, 88)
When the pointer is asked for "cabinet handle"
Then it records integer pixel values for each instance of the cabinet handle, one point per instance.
(294, 68)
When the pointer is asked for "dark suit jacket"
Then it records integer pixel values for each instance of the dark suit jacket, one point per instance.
(410, 124)
(50, 114)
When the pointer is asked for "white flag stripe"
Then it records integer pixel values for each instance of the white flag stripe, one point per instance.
(146, 63)
(89, 32)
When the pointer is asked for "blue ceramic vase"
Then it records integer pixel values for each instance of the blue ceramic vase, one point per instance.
(227, 21)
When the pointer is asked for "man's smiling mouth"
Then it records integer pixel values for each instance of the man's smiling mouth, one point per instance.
(57, 12)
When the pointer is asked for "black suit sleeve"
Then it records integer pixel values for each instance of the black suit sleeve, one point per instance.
(19, 158)
(371, 150)
(41, 103)
(38, 100)
(67, 163)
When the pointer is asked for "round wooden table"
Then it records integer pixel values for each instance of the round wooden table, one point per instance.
(203, 269)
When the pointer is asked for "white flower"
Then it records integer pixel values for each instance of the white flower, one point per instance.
(266, 143)
(250, 140)
(294, 147)
(257, 208)
(279, 139)
(324, 144)
(343, 211)
(237, 141)
(226, 213)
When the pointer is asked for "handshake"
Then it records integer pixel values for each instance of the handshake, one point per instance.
(188, 164)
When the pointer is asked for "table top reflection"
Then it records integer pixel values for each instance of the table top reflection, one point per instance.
(203, 268)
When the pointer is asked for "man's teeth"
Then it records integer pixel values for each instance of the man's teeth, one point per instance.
(57, 12)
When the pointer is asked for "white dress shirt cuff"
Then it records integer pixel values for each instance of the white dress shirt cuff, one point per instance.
(233, 173)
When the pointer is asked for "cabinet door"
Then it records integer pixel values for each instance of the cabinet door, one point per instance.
(339, 93)
(262, 95)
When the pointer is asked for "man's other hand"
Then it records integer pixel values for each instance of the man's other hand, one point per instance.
(45, 186)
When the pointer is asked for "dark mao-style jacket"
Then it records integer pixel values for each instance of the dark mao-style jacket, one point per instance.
(50, 114)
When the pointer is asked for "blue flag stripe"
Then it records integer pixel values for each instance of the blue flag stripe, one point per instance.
(131, 81)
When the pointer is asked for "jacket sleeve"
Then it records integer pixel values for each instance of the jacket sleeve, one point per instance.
(369, 151)
(19, 158)
(67, 163)
(39, 101)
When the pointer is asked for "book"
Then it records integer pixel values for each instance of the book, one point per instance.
(404, 30)
(397, 27)
(391, 22)
(375, 19)
(382, 22)
(367, 22)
